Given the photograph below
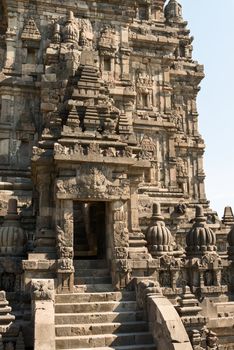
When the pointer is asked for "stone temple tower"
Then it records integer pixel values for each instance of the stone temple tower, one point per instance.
(98, 130)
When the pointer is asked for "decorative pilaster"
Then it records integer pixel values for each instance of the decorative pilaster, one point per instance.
(64, 239)
(120, 265)
(45, 238)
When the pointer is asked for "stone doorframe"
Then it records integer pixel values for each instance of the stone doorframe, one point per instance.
(96, 183)
(117, 238)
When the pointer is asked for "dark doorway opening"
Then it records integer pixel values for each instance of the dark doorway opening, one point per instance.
(89, 230)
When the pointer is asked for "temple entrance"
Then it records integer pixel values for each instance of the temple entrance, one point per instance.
(89, 230)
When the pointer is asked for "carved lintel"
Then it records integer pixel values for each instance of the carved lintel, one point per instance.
(92, 182)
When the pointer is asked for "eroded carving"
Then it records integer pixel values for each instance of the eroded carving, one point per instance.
(42, 289)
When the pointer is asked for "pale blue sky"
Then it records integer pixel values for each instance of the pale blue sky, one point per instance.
(212, 24)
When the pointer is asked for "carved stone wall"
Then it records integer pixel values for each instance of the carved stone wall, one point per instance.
(98, 103)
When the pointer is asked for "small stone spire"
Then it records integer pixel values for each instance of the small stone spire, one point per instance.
(173, 11)
(189, 310)
(157, 9)
(71, 30)
(70, 16)
(188, 304)
(228, 217)
(6, 318)
(56, 35)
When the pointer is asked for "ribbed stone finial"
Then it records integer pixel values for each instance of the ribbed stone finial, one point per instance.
(200, 239)
(12, 236)
(158, 236)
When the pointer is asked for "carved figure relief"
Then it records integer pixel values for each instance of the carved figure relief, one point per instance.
(148, 148)
(212, 340)
(144, 86)
(107, 41)
(63, 244)
(165, 279)
(120, 230)
(66, 264)
(181, 167)
(43, 290)
(86, 34)
(208, 278)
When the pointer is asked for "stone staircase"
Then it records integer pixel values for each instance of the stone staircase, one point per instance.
(96, 317)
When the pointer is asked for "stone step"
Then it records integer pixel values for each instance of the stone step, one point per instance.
(138, 255)
(100, 317)
(137, 243)
(94, 297)
(138, 249)
(92, 288)
(100, 306)
(92, 280)
(103, 340)
(100, 328)
(138, 235)
(128, 347)
(90, 264)
(92, 272)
